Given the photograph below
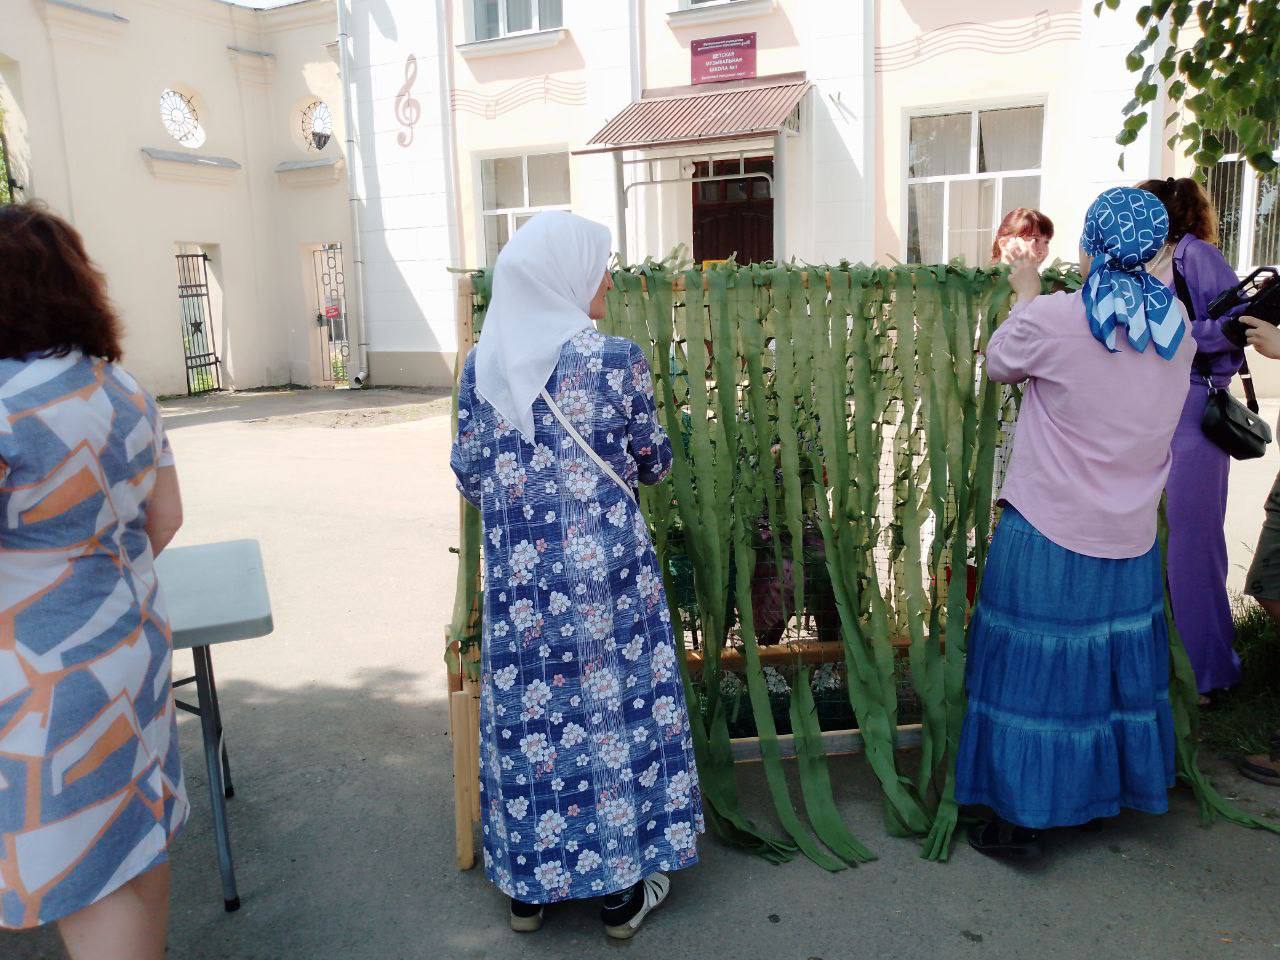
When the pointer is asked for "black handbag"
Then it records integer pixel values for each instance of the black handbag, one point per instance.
(1232, 426)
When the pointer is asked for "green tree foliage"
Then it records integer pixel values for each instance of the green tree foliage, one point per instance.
(1224, 75)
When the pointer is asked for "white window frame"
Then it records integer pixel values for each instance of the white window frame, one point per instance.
(512, 213)
(1248, 212)
(947, 179)
(503, 32)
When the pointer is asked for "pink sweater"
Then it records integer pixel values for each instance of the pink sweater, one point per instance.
(1091, 452)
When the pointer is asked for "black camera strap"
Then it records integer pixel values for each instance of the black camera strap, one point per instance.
(1202, 362)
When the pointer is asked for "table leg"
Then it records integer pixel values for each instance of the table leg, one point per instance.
(213, 761)
(230, 790)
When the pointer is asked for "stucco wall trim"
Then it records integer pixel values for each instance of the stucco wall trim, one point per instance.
(74, 21)
(190, 167)
(517, 43)
(720, 12)
(310, 173)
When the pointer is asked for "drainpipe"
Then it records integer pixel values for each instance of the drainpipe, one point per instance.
(779, 187)
(361, 379)
(444, 53)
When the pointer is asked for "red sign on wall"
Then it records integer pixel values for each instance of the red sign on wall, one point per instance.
(331, 312)
(724, 58)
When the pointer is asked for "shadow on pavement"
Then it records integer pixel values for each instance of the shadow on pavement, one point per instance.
(342, 829)
(255, 406)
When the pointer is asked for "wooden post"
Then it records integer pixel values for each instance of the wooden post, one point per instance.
(462, 786)
(464, 694)
(472, 691)
(463, 327)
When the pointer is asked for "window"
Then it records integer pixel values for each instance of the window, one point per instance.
(1248, 218)
(178, 114)
(513, 189)
(501, 18)
(317, 125)
(964, 172)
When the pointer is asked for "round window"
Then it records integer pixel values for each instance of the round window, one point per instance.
(178, 114)
(317, 125)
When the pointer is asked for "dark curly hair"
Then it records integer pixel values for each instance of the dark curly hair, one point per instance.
(1190, 209)
(52, 298)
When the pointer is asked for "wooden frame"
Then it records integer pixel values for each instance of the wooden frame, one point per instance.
(464, 690)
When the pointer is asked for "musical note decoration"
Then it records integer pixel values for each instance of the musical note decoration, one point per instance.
(408, 109)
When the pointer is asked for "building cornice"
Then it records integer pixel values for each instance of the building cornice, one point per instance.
(311, 173)
(253, 66)
(197, 168)
(213, 12)
(294, 16)
(84, 24)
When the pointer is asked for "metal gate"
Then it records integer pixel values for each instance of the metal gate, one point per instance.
(331, 313)
(195, 316)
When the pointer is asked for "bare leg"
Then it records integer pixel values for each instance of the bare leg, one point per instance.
(1273, 609)
(129, 924)
(1263, 767)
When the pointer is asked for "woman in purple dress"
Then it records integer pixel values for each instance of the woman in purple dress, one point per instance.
(1197, 487)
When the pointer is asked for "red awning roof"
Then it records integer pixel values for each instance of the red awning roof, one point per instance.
(738, 114)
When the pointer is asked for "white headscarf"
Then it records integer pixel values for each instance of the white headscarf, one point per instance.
(543, 284)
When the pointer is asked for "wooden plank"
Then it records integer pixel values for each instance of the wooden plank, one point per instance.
(463, 837)
(834, 742)
(463, 321)
(472, 689)
(809, 651)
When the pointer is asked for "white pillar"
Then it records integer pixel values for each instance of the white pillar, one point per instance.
(620, 188)
(779, 191)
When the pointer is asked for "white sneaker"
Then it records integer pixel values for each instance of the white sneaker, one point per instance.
(656, 886)
(524, 922)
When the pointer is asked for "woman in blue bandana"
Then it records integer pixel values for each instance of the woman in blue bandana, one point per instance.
(1068, 660)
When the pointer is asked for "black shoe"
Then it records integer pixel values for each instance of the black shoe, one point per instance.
(1005, 841)
(525, 917)
(624, 912)
(1092, 826)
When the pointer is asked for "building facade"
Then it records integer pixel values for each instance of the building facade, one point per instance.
(197, 146)
(819, 130)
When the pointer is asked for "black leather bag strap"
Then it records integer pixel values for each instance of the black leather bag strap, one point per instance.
(1202, 363)
(1246, 380)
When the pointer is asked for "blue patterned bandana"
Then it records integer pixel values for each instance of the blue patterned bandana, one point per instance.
(1123, 230)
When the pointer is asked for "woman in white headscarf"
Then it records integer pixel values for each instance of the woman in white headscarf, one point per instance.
(588, 782)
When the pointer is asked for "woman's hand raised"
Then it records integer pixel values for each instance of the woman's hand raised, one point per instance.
(1025, 280)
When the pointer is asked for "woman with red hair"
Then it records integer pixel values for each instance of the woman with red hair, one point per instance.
(91, 789)
(1024, 234)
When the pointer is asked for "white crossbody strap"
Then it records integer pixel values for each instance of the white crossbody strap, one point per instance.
(586, 447)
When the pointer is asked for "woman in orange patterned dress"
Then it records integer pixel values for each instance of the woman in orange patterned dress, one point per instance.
(91, 790)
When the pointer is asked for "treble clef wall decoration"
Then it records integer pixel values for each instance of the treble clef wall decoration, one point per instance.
(408, 110)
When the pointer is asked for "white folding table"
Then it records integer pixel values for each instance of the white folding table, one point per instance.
(214, 593)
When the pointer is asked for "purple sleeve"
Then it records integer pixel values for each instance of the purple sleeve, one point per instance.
(1016, 348)
(1207, 274)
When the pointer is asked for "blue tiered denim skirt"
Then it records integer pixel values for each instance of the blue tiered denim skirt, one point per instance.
(1068, 684)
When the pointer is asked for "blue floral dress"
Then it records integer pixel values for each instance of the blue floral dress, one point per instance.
(587, 773)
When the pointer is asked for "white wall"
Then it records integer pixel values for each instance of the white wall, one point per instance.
(408, 230)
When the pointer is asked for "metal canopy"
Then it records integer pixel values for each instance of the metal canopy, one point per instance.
(737, 114)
